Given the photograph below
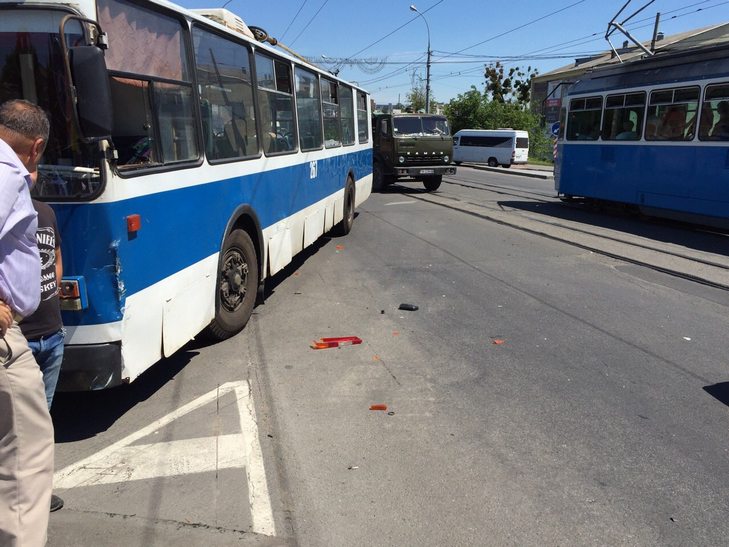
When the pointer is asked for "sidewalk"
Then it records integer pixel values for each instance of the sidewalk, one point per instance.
(528, 170)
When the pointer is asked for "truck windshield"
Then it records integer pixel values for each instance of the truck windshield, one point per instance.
(421, 125)
(31, 64)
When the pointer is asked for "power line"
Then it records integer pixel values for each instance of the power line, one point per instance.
(294, 18)
(574, 42)
(394, 31)
(309, 23)
(555, 12)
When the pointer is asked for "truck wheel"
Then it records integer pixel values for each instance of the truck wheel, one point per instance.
(493, 163)
(432, 183)
(378, 178)
(235, 293)
(344, 227)
(505, 165)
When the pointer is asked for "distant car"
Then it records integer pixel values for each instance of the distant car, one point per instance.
(493, 147)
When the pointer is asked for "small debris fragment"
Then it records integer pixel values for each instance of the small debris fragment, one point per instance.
(382, 312)
(378, 407)
(391, 413)
(396, 333)
(408, 307)
(339, 247)
(375, 357)
(498, 341)
(353, 467)
(687, 338)
(324, 343)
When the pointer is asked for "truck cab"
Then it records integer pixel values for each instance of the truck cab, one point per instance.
(411, 146)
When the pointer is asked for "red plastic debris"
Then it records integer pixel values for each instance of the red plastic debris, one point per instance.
(378, 407)
(324, 343)
(498, 341)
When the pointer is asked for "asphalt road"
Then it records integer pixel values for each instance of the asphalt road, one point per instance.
(543, 393)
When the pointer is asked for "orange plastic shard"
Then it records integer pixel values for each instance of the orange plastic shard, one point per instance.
(325, 343)
(378, 407)
(498, 341)
(339, 247)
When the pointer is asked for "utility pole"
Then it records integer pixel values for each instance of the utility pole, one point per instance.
(427, 64)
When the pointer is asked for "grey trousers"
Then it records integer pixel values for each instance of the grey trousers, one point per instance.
(26, 446)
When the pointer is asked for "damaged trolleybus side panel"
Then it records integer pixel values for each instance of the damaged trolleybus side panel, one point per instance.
(187, 162)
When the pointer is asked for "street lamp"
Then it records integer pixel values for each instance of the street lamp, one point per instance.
(427, 65)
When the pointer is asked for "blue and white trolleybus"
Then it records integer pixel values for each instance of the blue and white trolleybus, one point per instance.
(187, 163)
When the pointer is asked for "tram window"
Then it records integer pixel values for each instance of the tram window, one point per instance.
(672, 114)
(583, 123)
(623, 120)
(715, 113)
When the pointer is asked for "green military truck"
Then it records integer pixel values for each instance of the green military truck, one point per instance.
(411, 146)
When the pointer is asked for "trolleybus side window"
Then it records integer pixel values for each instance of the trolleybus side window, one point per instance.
(362, 117)
(715, 113)
(330, 111)
(672, 114)
(226, 96)
(308, 108)
(151, 86)
(623, 120)
(276, 105)
(584, 119)
(346, 106)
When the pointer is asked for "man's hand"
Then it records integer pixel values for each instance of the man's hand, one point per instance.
(6, 318)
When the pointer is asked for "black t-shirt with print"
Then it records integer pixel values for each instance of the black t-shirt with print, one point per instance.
(46, 319)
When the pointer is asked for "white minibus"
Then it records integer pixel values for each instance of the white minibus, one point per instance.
(491, 146)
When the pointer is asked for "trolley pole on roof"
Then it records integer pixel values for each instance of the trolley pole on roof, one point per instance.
(427, 65)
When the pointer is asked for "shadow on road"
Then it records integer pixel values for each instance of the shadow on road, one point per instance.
(81, 415)
(720, 392)
(692, 236)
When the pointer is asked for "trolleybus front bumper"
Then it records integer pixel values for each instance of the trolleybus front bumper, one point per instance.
(90, 367)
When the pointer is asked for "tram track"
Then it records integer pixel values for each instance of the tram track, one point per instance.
(707, 268)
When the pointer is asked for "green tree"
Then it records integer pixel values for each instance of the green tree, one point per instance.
(466, 110)
(509, 86)
(415, 99)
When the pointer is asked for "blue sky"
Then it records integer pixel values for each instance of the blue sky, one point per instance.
(384, 43)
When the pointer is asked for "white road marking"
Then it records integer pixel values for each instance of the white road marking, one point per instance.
(124, 461)
(400, 203)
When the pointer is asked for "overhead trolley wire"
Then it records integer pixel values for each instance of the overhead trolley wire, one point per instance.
(294, 19)
(309, 23)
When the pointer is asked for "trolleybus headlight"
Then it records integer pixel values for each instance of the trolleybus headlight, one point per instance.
(401, 159)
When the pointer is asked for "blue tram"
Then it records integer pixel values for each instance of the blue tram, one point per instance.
(652, 133)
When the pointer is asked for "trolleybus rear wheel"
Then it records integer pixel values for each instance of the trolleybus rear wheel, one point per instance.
(235, 292)
(343, 228)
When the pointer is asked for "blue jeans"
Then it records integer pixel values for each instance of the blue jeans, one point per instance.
(48, 353)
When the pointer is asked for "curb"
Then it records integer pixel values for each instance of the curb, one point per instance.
(511, 171)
